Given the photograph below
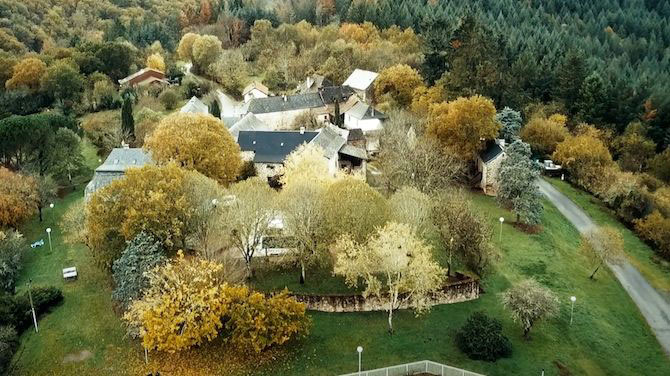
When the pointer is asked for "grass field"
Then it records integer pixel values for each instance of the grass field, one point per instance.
(656, 271)
(608, 336)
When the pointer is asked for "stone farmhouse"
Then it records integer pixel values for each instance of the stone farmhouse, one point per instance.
(488, 164)
(115, 167)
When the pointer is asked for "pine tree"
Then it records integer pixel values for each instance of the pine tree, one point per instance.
(571, 76)
(518, 188)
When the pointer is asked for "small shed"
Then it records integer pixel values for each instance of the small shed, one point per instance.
(488, 164)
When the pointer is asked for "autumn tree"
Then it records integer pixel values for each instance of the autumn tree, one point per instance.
(510, 122)
(206, 49)
(305, 178)
(405, 159)
(518, 190)
(461, 126)
(73, 223)
(528, 302)
(633, 148)
(141, 255)
(655, 228)
(157, 200)
(659, 165)
(231, 71)
(260, 322)
(183, 306)
(185, 48)
(604, 246)
(361, 211)
(398, 82)
(413, 208)
(464, 232)
(155, 61)
(27, 73)
(395, 266)
(424, 97)
(196, 142)
(18, 198)
(585, 157)
(544, 134)
(249, 216)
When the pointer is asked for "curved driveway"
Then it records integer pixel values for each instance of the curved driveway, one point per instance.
(654, 306)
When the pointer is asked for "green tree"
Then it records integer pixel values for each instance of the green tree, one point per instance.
(510, 122)
(518, 189)
(570, 76)
(12, 246)
(593, 99)
(46, 192)
(214, 109)
(63, 82)
(127, 119)
(67, 158)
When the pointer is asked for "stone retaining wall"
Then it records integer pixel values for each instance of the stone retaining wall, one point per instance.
(456, 292)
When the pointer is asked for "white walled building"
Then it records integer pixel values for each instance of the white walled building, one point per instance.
(255, 90)
(488, 164)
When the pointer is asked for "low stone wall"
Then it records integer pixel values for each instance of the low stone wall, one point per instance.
(455, 292)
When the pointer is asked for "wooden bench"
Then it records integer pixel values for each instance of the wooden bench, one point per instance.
(70, 273)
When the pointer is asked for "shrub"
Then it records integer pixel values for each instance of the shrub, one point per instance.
(11, 244)
(248, 170)
(169, 99)
(481, 338)
(655, 228)
(15, 310)
(9, 341)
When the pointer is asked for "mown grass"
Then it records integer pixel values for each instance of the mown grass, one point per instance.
(640, 254)
(608, 336)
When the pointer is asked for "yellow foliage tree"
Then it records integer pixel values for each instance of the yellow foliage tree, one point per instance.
(185, 48)
(187, 303)
(462, 126)
(196, 142)
(183, 305)
(155, 199)
(394, 265)
(398, 82)
(585, 157)
(155, 61)
(27, 73)
(18, 197)
(544, 134)
(424, 97)
(261, 322)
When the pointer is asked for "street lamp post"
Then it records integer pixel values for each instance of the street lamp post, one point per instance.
(32, 307)
(360, 352)
(572, 308)
(501, 223)
(49, 233)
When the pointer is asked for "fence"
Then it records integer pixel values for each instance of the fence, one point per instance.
(417, 368)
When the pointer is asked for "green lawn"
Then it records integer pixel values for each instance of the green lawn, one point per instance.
(608, 337)
(656, 271)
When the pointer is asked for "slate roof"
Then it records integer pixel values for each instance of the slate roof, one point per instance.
(361, 79)
(248, 123)
(354, 151)
(330, 141)
(230, 121)
(355, 134)
(285, 103)
(491, 152)
(330, 94)
(272, 146)
(362, 111)
(256, 85)
(195, 106)
(121, 159)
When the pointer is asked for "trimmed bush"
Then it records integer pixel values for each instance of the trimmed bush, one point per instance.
(15, 310)
(481, 338)
(169, 98)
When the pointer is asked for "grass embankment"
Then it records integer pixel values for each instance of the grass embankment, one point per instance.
(640, 254)
(608, 336)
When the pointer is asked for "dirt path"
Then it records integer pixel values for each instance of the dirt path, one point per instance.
(655, 307)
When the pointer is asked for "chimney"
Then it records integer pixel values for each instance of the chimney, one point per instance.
(373, 111)
(285, 99)
(302, 130)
